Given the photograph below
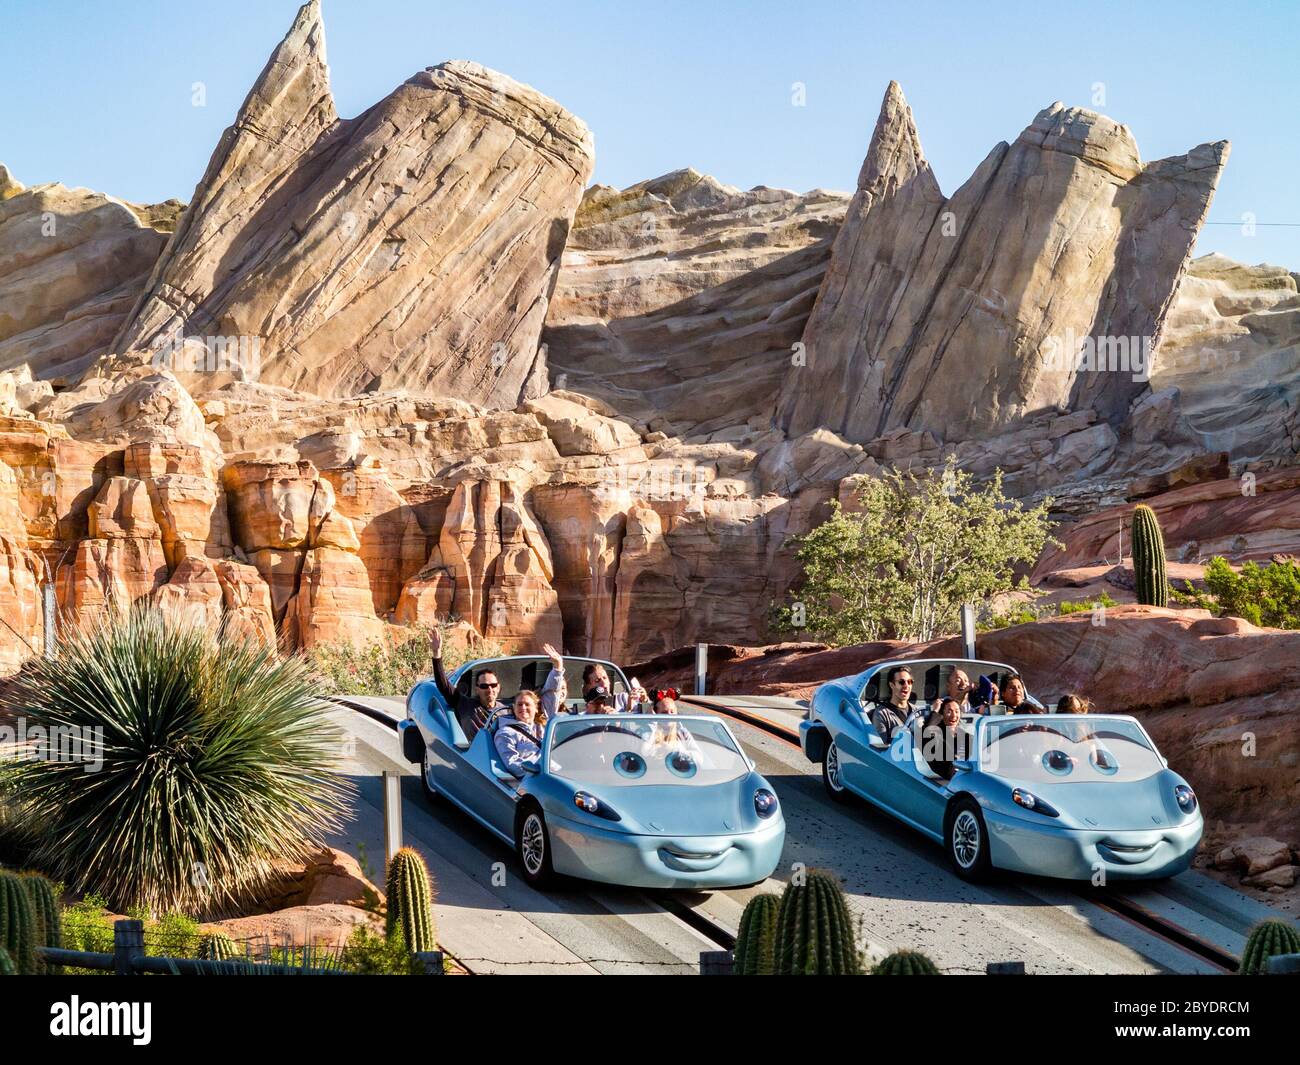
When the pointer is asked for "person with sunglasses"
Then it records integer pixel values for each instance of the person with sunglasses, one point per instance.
(472, 711)
(889, 717)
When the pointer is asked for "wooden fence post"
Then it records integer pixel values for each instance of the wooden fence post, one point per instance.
(128, 946)
(717, 963)
(432, 960)
(1005, 968)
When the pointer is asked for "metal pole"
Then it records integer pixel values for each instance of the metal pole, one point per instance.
(717, 963)
(50, 606)
(1280, 964)
(128, 946)
(701, 667)
(392, 814)
(432, 962)
(968, 629)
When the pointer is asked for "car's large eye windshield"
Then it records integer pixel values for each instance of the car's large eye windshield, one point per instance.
(626, 750)
(1065, 751)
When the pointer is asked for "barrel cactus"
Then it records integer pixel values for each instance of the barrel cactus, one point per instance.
(6, 963)
(814, 936)
(905, 963)
(410, 901)
(1267, 939)
(19, 930)
(1150, 572)
(756, 940)
(217, 946)
(45, 911)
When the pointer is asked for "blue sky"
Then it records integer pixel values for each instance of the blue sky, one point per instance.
(99, 94)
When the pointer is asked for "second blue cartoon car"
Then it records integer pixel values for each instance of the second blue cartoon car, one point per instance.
(641, 800)
(1080, 797)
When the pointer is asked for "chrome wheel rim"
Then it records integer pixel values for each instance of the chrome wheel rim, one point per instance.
(833, 768)
(532, 844)
(966, 839)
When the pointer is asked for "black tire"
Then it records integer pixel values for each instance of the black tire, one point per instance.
(430, 792)
(533, 846)
(831, 776)
(966, 839)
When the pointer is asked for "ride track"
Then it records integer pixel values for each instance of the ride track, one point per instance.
(692, 909)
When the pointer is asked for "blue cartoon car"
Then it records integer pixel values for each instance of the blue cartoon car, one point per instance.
(638, 799)
(1075, 796)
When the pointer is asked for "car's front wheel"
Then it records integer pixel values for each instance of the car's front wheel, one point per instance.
(967, 840)
(533, 845)
(832, 775)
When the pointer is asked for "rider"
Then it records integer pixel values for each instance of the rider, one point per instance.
(472, 711)
(890, 716)
(594, 675)
(518, 738)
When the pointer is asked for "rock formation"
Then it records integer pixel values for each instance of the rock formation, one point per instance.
(73, 263)
(953, 316)
(413, 246)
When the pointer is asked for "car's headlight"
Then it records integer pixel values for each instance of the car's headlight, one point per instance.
(1186, 798)
(1032, 802)
(764, 802)
(590, 804)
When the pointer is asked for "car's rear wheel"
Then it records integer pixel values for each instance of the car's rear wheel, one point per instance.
(426, 778)
(533, 846)
(967, 841)
(832, 775)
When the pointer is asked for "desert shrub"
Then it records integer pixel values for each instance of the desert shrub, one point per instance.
(1268, 596)
(209, 758)
(371, 954)
(902, 566)
(388, 666)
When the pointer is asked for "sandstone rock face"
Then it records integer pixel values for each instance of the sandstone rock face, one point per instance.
(354, 252)
(680, 298)
(933, 316)
(72, 263)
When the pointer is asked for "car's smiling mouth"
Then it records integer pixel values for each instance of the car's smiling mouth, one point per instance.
(1128, 853)
(676, 857)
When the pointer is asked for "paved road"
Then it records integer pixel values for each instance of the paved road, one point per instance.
(898, 886)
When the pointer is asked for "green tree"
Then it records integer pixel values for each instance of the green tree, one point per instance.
(920, 546)
(1268, 596)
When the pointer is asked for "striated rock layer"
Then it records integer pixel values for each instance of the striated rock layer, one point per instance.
(415, 245)
(951, 315)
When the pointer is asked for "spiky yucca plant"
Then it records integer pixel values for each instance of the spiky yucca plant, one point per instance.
(756, 938)
(1267, 939)
(905, 963)
(217, 758)
(410, 901)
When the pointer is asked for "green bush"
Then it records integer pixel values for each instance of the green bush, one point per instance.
(902, 566)
(1268, 596)
(1085, 606)
(371, 954)
(390, 665)
(217, 759)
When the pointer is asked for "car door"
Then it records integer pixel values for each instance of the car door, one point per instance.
(914, 794)
(490, 792)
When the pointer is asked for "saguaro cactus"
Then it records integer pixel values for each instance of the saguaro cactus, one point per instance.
(219, 947)
(18, 925)
(756, 940)
(410, 901)
(905, 963)
(6, 963)
(48, 930)
(1150, 572)
(1267, 939)
(814, 935)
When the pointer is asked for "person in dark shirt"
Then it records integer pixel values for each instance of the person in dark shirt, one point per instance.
(942, 741)
(472, 711)
(889, 717)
